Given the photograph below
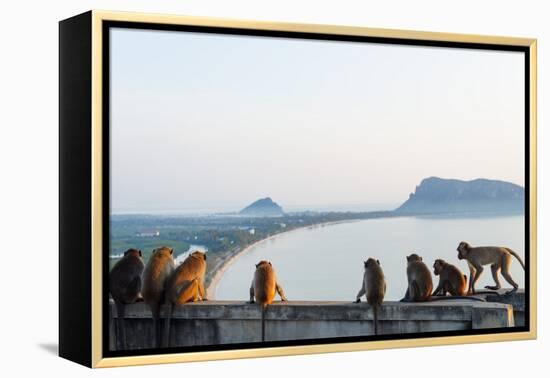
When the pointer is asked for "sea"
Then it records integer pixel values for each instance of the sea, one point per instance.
(325, 262)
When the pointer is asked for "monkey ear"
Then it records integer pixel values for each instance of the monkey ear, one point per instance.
(270, 264)
(420, 257)
(171, 251)
(378, 261)
(140, 254)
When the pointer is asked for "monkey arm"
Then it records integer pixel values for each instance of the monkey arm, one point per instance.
(280, 291)
(361, 292)
(251, 292)
(406, 298)
(437, 290)
(202, 291)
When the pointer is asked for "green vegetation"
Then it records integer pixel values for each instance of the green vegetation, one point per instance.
(222, 235)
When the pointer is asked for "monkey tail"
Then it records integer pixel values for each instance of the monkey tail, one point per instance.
(167, 322)
(375, 317)
(120, 325)
(516, 256)
(457, 297)
(263, 310)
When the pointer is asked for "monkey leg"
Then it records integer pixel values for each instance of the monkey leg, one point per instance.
(471, 281)
(495, 268)
(479, 270)
(189, 292)
(507, 261)
(280, 291)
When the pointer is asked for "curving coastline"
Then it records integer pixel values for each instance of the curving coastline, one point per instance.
(218, 273)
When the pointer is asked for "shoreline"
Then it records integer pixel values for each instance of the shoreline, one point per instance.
(220, 271)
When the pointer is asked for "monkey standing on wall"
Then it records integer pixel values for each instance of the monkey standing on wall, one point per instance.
(451, 279)
(125, 288)
(159, 268)
(186, 284)
(500, 259)
(420, 284)
(263, 288)
(374, 287)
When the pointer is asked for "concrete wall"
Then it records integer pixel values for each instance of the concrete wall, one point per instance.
(226, 322)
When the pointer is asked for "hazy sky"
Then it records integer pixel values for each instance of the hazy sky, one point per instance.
(213, 122)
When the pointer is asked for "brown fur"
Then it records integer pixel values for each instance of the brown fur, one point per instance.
(374, 287)
(419, 280)
(264, 285)
(186, 284)
(125, 288)
(157, 271)
(263, 288)
(451, 279)
(500, 259)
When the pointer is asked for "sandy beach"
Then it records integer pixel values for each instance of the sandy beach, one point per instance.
(220, 271)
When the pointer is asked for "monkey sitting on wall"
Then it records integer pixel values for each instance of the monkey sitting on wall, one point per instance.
(500, 259)
(263, 288)
(451, 279)
(186, 284)
(374, 287)
(419, 288)
(125, 288)
(159, 268)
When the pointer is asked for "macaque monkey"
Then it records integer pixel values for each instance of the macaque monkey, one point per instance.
(374, 287)
(451, 279)
(125, 288)
(186, 284)
(159, 268)
(500, 259)
(419, 280)
(263, 288)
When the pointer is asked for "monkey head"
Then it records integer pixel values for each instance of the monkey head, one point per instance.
(163, 251)
(262, 263)
(439, 264)
(133, 252)
(370, 262)
(199, 255)
(463, 249)
(413, 257)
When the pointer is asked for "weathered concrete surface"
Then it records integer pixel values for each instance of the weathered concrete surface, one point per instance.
(517, 300)
(226, 322)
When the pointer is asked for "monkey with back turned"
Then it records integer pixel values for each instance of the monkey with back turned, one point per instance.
(125, 288)
(263, 288)
(186, 284)
(159, 268)
(374, 287)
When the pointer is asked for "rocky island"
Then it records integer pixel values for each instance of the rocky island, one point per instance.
(436, 195)
(264, 207)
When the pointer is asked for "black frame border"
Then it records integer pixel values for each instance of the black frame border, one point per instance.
(107, 25)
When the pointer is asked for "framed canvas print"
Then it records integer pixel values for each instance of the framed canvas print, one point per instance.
(236, 189)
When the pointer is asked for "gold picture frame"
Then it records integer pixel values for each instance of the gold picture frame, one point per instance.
(91, 24)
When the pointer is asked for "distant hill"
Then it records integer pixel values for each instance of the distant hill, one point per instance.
(435, 195)
(264, 207)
